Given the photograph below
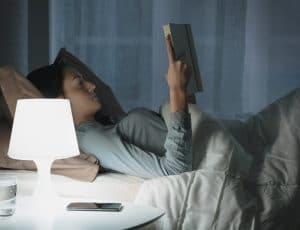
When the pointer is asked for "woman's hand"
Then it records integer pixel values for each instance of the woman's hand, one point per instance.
(177, 79)
(177, 76)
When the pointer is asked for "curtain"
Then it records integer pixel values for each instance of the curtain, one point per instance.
(14, 35)
(248, 51)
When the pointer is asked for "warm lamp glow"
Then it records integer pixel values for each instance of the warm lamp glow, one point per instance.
(43, 128)
(43, 131)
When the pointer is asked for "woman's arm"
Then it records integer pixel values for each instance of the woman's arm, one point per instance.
(177, 79)
(179, 138)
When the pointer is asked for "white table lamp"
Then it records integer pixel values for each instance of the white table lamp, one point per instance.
(43, 131)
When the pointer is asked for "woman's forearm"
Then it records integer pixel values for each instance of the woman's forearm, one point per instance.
(178, 100)
(178, 144)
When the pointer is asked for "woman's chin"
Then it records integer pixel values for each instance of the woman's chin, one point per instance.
(98, 106)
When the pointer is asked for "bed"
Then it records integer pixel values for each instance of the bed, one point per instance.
(213, 195)
(226, 153)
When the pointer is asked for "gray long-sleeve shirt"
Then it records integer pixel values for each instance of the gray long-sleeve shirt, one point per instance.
(140, 144)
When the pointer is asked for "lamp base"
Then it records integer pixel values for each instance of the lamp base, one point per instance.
(44, 197)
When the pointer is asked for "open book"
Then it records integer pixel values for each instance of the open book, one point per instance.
(184, 49)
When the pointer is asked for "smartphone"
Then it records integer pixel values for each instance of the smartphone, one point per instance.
(90, 206)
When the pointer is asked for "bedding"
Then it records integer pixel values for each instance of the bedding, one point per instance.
(263, 150)
(272, 137)
(242, 179)
(213, 192)
(274, 142)
(14, 86)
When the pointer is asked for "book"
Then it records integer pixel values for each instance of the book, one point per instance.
(184, 49)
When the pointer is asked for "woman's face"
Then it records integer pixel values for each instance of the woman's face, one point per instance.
(81, 94)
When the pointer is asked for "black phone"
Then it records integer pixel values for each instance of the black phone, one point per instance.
(91, 206)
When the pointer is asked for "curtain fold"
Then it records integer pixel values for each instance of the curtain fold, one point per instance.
(248, 51)
(14, 34)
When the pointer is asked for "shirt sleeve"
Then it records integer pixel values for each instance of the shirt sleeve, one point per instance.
(179, 143)
(121, 156)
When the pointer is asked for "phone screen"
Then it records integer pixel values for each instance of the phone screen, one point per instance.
(91, 206)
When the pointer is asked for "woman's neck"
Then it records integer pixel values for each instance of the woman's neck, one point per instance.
(81, 119)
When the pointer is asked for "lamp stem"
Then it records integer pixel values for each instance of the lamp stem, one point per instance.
(44, 190)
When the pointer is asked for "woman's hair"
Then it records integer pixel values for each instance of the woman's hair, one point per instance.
(48, 79)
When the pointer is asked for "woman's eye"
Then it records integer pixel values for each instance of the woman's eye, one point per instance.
(80, 81)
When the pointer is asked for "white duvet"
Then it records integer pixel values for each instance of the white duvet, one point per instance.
(213, 196)
(192, 200)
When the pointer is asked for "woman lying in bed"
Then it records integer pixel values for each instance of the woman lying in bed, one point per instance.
(139, 144)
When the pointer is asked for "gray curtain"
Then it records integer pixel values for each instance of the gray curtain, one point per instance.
(248, 51)
(14, 34)
(24, 40)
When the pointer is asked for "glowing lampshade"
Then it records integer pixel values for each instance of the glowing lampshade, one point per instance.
(43, 130)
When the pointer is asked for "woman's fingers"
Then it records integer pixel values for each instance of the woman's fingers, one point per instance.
(183, 57)
(170, 49)
(177, 76)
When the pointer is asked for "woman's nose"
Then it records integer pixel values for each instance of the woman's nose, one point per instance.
(90, 85)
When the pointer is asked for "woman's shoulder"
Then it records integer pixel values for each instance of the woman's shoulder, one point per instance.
(140, 113)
